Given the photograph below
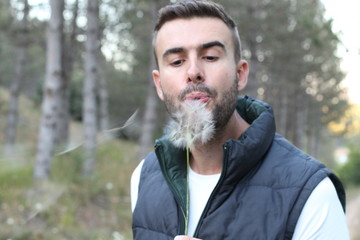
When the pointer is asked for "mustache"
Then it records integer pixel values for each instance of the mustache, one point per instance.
(197, 88)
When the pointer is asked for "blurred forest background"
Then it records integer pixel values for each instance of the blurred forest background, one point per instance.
(78, 110)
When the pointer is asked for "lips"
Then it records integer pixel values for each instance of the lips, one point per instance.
(197, 96)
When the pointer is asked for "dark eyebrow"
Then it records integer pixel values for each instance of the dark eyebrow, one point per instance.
(173, 50)
(202, 46)
(212, 44)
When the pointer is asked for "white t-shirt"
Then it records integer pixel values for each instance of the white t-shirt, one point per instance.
(322, 217)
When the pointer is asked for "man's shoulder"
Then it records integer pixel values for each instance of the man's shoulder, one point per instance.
(150, 157)
(151, 163)
(288, 166)
(288, 152)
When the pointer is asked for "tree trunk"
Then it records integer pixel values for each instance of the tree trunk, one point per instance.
(103, 93)
(52, 91)
(21, 57)
(68, 63)
(313, 131)
(103, 102)
(301, 116)
(89, 91)
(149, 121)
(283, 111)
(313, 140)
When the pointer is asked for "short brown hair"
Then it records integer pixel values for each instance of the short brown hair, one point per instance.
(197, 8)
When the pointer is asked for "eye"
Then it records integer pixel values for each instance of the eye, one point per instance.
(211, 58)
(177, 63)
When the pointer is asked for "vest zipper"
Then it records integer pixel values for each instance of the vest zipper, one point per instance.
(222, 176)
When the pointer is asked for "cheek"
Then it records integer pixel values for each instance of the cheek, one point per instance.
(171, 84)
(223, 77)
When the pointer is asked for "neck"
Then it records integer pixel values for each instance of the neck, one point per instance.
(207, 158)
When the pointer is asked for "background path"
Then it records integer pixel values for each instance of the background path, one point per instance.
(353, 218)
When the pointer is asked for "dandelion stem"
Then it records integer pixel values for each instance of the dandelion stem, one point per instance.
(192, 124)
(187, 191)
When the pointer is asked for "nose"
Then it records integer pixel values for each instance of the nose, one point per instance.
(195, 72)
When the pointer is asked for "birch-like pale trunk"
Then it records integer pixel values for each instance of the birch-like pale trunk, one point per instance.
(90, 88)
(103, 102)
(149, 121)
(52, 91)
(22, 42)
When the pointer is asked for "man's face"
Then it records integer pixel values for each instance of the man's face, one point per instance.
(196, 63)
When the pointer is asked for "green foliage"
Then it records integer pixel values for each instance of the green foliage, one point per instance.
(349, 172)
(67, 167)
(5, 16)
(69, 206)
(10, 35)
(75, 106)
(7, 52)
(28, 121)
(17, 177)
(12, 179)
(293, 64)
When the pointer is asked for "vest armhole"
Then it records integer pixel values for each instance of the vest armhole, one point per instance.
(339, 189)
(301, 200)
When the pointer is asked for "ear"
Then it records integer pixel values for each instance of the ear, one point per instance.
(242, 72)
(156, 79)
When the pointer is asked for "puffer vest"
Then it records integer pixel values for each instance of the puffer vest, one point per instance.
(264, 184)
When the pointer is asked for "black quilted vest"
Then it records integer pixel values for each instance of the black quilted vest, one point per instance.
(264, 184)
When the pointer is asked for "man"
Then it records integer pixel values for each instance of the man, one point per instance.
(221, 171)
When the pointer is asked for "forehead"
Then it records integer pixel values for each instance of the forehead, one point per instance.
(191, 33)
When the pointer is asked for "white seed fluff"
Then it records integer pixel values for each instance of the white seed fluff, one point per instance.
(192, 124)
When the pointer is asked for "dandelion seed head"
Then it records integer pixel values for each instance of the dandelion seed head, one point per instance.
(192, 123)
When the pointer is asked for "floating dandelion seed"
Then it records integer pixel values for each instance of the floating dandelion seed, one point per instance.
(102, 137)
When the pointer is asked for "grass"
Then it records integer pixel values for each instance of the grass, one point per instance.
(69, 206)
